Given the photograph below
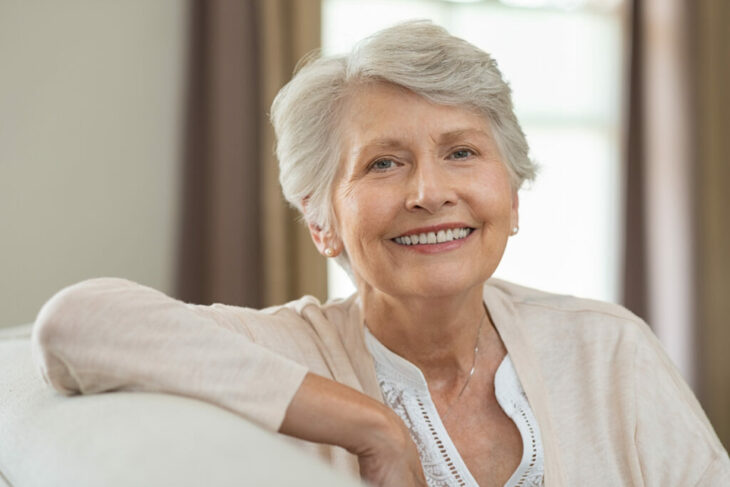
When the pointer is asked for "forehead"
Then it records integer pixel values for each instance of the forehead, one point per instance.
(377, 112)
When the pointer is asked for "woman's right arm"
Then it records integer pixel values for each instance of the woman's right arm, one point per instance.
(112, 334)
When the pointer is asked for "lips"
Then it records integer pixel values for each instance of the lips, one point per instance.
(434, 236)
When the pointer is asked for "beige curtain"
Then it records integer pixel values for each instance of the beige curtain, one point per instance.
(677, 271)
(239, 242)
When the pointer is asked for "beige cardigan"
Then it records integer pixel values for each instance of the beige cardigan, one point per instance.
(611, 407)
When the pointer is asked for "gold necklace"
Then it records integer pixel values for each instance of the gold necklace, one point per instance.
(473, 367)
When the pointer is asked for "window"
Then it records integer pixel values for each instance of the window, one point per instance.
(563, 59)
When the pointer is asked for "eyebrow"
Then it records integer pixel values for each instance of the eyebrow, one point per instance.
(380, 143)
(458, 134)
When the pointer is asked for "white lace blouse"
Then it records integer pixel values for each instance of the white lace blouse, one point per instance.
(405, 390)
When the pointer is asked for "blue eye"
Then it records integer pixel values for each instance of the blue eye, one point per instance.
(382, 164)
(462, 154)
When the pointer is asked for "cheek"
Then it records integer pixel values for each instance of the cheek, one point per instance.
(368, 212)
(495, 191)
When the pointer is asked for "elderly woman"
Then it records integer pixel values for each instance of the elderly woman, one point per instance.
(405, 158)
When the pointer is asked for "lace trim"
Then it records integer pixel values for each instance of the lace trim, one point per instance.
(406, 392)
(441, 462)
(513, 400)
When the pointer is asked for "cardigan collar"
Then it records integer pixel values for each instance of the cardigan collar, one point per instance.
(511, 328)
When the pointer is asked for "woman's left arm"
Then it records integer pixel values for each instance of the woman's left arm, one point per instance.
(676, 443)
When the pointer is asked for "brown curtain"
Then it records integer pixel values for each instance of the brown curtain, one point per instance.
(289, 30)
(634, 282)
(711, 45)
(677, 249)
(239, 242)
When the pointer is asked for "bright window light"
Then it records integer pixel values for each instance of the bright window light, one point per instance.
(565, 69)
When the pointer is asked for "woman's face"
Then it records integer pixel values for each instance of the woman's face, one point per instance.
(422, 199)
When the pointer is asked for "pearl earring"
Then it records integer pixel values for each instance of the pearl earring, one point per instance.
(515, 229)
(329, 251)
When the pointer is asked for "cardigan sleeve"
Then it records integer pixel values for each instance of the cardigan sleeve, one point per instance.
(676, 443)
(112, 334)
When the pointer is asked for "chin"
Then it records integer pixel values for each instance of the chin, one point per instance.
(436, 287)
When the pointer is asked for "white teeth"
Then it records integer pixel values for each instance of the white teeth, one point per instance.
(434, 237)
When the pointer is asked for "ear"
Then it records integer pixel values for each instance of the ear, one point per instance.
(326, 242)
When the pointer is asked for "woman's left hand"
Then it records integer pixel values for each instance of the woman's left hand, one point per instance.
(390, 458)
(325, 411)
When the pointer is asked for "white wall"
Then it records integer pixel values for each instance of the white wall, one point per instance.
(91, 99)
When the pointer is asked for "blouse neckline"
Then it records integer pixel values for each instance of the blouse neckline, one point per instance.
(397, 375)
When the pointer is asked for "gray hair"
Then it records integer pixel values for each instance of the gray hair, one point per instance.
(417, 55)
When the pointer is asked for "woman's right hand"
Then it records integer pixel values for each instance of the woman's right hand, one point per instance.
(324, 411)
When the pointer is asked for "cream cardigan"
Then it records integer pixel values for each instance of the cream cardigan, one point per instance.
(611, 407)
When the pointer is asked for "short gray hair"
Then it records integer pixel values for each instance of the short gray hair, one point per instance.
(417, 55)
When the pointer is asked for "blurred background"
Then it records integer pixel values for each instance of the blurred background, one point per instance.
(134, 142)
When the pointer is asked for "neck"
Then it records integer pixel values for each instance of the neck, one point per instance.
(438, 335)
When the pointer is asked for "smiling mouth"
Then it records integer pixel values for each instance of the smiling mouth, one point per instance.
(431, 238)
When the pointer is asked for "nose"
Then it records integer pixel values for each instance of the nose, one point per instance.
(430, 186)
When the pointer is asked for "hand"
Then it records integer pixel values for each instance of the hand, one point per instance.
(391, 459)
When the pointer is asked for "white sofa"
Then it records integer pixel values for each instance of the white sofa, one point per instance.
(133, 439)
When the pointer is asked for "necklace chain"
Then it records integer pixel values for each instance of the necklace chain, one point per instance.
(473, 367)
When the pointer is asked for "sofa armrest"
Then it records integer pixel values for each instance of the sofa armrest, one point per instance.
(134, 439)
